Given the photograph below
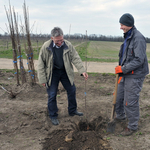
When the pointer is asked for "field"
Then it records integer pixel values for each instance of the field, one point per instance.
(25, 125)
(6, 46)
(107, 51)
(97, 51)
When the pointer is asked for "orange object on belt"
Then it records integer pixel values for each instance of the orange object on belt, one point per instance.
(118, 70)
(119, 79)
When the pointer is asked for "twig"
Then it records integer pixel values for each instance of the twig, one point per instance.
(5, 89)
(11, 94)
(85, 82)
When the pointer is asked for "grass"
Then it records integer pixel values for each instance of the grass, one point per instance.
(110, 74)
(108, 138)
(93, 74)
(7, 70)
(103, 49)
(7, 52)
(88, 53)
(96, 51)
(82, 49)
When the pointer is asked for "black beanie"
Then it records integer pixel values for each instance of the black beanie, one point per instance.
(127, 19)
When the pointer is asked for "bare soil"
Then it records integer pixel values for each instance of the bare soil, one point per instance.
(25, 125)
(101, 67)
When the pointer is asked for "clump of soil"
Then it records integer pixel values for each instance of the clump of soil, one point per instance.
(85, 136)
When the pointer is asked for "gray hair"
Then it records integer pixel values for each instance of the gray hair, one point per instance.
(56, 32)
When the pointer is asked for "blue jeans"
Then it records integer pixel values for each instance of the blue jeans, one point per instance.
(60, 75)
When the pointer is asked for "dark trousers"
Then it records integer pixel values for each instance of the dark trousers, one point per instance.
(60, 75)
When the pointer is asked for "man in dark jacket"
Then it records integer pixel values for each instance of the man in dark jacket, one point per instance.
(132, 69)
(55, 64)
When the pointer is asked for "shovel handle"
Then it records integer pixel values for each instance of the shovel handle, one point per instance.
(116, 87)
(114, 98)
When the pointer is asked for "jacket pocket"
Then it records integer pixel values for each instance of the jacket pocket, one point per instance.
(130, 54)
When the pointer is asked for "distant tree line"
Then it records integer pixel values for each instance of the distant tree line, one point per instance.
(92, 37)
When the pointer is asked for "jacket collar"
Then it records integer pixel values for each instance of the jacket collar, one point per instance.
(129, 37)
(54, 45)
(50, 48)
(131, 30)
(128, 34)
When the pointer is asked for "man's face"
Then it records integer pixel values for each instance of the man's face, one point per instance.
(124, 28)
(58, 40)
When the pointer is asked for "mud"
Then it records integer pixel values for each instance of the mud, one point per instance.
(25, 125)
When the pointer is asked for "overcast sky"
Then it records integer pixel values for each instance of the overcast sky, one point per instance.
(95, 16)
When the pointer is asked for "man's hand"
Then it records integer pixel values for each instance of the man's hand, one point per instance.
(85, 75)
(44, 84)
(118, 70)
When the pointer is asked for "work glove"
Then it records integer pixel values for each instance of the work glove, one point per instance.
(118, 70)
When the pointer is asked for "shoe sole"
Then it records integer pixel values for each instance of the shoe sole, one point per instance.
(127, 134)
(74, 115)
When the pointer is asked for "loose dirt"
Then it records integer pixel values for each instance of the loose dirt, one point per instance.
(25, 125)
(99, 67)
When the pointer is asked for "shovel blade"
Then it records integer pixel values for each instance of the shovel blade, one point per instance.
(111, 127)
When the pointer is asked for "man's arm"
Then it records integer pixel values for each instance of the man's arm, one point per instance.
(41, 68)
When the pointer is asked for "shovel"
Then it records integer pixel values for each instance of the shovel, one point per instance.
(111, 123)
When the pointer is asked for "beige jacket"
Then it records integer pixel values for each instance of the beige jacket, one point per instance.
(45, 62)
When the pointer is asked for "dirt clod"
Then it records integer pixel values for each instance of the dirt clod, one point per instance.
(69, 138)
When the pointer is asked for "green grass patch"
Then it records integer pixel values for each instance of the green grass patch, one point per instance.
(110, 74)
(104, 50)
(82, 50)
(9, 54)
(91, 51)
(7, 70)
(93, 74)
(95, 51)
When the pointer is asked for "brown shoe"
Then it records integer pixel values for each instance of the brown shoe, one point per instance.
(127, 132)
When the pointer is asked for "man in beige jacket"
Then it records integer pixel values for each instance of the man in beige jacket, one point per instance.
(55, 64)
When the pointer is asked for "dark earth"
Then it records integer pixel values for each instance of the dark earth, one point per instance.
(25, 125)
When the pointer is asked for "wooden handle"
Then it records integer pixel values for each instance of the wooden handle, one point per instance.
(114, 98)
(116, 87)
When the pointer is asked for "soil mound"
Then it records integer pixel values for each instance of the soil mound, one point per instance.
(84, 136)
